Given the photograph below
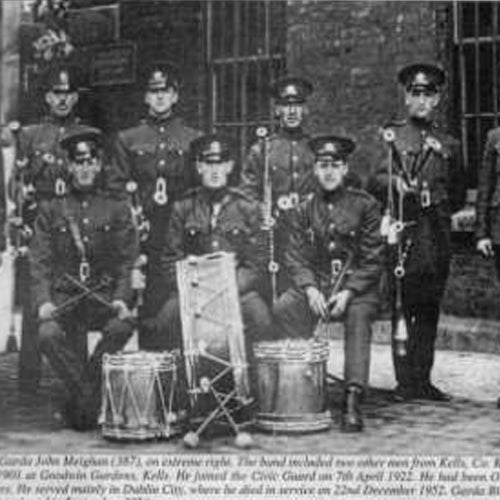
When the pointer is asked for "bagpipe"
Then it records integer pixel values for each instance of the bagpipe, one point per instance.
(268, 218)
(413, 195)
(23, 192)
(143, 227)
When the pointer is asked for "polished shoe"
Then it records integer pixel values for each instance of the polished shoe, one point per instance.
(351, 419)
(432, 393)
(403, 393)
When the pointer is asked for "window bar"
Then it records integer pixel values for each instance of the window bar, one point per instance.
(246, 49)
(212, 92)
(267, 27)
(495, 63)
(463, 95)
(244, 95)
(221, 33)
(234, 67)
(477, 69)
(267, 51)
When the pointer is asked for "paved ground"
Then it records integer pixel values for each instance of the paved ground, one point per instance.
(470, 424)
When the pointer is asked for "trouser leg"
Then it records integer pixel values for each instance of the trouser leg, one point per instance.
(30, 361)
(61, 356)
(257, 327)
(292, 316)
(426, 323)
(115, 335)
(403, 364)
(357, 343)
(164, 329)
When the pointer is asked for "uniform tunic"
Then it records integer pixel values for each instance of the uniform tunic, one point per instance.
(328, 231)
(47, 162)
(208, 222)
(432, 160)
(488, 190)
(151, 150)
(110, 246)
(291, 173)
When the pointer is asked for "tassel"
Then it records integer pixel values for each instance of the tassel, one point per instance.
(401, 336)
(385, 224)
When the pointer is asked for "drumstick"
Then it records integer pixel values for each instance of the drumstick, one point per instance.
(90, 291)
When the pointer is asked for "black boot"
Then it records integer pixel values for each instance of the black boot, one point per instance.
(428, 391)
(351, 419)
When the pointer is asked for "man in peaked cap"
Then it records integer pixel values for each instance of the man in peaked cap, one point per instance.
(334, 259)
(40, 174)
(427, 175)
(213, 218)
(290, 164)
(82, 254)
(154, 165)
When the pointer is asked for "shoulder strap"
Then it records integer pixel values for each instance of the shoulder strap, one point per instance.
(74, 229)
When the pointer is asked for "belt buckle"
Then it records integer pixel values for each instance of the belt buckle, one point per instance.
(84, 271)
(336, 267)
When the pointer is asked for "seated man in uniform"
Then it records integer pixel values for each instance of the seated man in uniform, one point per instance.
(335, 236)
(212, 218)
(83, 250)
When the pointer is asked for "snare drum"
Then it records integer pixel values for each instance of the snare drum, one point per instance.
(291, 381)
(139, 396)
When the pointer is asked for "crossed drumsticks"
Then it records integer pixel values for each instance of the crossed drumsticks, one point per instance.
(85, 292)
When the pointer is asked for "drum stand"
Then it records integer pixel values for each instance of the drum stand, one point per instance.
(221, 411)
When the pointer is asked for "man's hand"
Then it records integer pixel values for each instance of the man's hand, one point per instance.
(317, 302)
(122, 311)
(46, 311)
(485, 247)
(338, 303)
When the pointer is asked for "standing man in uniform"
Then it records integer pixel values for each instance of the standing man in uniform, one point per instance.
(154, 167)
(427, 175)
(83, 250)
(488, 200)
(40, 175)
(487, 230)
(212, 218)
(290, 167)
(334, 259)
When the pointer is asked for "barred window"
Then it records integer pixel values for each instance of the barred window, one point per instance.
(246, 51)
(477, 50)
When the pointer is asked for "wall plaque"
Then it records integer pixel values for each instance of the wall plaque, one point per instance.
(113, 64)
(95, 25)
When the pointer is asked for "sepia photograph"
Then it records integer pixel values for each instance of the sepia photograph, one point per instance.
(253, 228)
